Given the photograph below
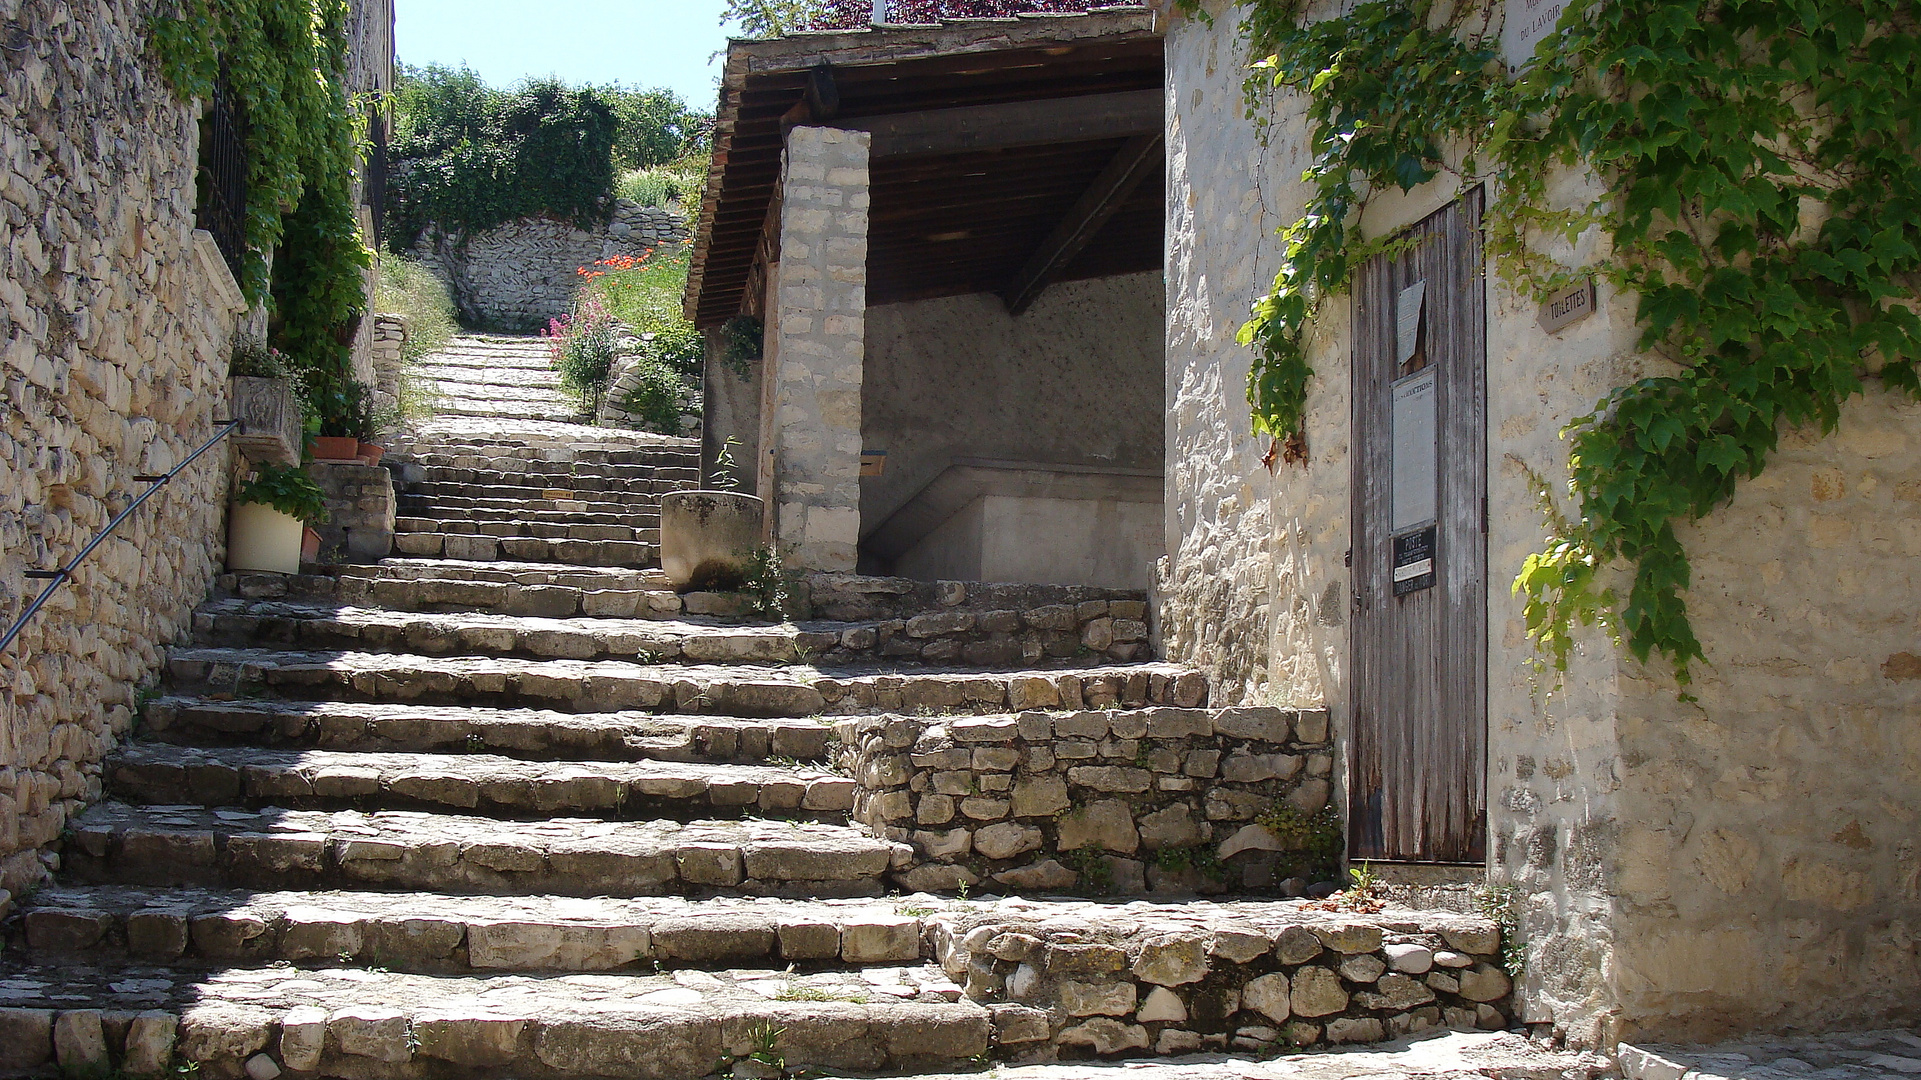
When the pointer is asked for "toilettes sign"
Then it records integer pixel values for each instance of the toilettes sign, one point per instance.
(1527, 22)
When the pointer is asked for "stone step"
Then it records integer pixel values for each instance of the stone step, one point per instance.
(437, 933)
(422, 503)
(553, 519)
(512, 392)
(635, 493)
(934, 638)
(582, 686)
(533, 438)
(449, 585)
(494, 473)
(532, 734)
(662, 454)
(549, 524)
(257, 1021)
(401, 850)
(624, 553)
(163, 774)
(239, 622)
(517, 411)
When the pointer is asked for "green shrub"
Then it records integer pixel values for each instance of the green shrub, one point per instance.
(287, 489)
(583, 345)
(662, 184)
(408, 289)
(659, 398)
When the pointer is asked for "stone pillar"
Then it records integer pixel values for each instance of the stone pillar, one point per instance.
(818, 342)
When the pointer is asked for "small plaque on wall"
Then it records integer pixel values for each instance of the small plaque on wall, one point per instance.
(1569, 306)
(1526, 23)
(1414, 561)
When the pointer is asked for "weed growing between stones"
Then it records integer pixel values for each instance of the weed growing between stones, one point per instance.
(1318, 837)
(1502, 903)
(1090, 866)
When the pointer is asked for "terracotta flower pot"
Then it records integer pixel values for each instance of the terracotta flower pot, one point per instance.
(309, 546)
(708, 538)
(262, 538)
(335, 448)
(370, 454)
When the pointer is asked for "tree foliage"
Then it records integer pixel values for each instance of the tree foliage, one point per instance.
(284, 62)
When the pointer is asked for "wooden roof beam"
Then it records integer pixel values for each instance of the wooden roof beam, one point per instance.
(1124, 173)
(1086, 118)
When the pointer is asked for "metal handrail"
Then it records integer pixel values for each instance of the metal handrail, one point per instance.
(61, 576)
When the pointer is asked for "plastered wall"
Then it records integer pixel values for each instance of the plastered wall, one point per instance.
(1682, 869)
(1073, 380)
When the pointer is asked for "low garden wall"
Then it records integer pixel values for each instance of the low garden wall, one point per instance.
(1102, 800)
(1242, 978)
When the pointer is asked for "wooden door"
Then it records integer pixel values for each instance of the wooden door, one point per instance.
(1418, 788)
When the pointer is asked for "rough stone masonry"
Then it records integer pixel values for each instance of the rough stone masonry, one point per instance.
(113, 365)
(817, 349)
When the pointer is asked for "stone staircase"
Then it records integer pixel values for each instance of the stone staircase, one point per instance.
(503, 805)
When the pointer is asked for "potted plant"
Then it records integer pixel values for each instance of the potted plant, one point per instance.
(267, 524)
(371, 423)
(708, 538)
(345, 413)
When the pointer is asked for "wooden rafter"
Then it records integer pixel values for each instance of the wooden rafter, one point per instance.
(1124, 173)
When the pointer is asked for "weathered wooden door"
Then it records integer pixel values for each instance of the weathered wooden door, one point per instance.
(1418, 787)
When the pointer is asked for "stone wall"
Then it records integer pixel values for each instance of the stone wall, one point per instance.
(519, 275)
(1682, 869)
(360, 512)
(811, 452)
(1153, 800)
(1244, 978)
(114, 364)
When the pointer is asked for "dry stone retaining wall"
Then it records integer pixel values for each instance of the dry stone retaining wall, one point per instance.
(1125, 801)
(1241, 978)
(117, 318)
(518, 275)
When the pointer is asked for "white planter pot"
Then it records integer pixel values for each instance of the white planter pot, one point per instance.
(708, 538)
(262, 538)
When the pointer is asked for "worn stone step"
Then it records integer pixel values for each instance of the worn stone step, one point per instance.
(448, 585)
(533, 734)
(532, 437)
(932, 639)
(241, 1021)
(550, 500)
(445, 933)
(478, 548)
(611, 686)
(272, 848)
(631, 493)
(505, 392)
(529, 521)
(242, 622)
(640, 526)
(164, 774)
(517, 471)
(516, 411)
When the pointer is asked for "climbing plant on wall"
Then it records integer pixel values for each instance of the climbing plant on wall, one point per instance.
(284, 63)
(1763, 199)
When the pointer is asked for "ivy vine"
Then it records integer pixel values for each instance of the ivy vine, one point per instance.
(1762, 196)
(284, 62)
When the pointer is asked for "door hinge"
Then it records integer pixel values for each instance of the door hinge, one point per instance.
(1484, 515)
(1348, 559)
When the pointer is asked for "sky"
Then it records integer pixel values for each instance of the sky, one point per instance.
(643, 43)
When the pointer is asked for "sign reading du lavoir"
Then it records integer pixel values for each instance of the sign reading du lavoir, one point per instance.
(1528, 21)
